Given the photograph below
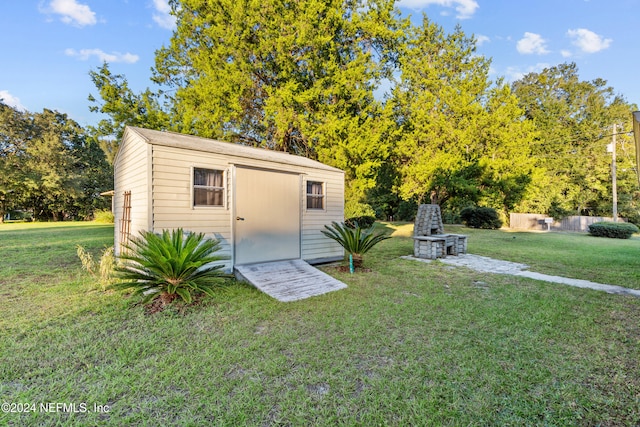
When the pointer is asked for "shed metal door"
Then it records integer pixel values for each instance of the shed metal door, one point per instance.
(267, 222)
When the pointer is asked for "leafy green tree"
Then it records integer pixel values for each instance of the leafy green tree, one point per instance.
(301, 77)
(51, 182)
(291, 76)
(49, 166)
(574, 121)
(122, 107)
(14, 135)
(95, 176)
(461, 139)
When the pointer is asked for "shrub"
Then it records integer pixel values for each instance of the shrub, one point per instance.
(359, 214)
(407, 210)
(103, 270)
(557, 212)
(615, 230)
(103, 217)
(449, 216)
(355, 209)
(480, 217)
(355, 241)
(173, 264)
(360, 221)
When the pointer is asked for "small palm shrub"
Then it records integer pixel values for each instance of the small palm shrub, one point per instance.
(615, 230)
(356, 241)
(170, 265)
(480, 217)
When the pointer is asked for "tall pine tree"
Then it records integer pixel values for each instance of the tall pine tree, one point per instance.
(461, 140)
(292, 76)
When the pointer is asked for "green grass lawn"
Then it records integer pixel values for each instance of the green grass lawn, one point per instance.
(406, 343)
(576, 255)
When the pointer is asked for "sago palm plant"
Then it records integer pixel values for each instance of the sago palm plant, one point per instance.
(169, 265)
(355, 240)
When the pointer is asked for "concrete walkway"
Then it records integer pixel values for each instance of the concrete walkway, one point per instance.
(490, 265)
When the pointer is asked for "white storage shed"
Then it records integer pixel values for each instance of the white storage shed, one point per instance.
(262, 205)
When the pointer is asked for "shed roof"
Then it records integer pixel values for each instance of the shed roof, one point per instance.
(178, 140)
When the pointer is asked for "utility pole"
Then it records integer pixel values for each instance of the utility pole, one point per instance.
(614, 181)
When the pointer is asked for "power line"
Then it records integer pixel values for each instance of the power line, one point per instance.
(577, 139)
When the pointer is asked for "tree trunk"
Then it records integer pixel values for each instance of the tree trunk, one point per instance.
(166, 298)
(435, 200)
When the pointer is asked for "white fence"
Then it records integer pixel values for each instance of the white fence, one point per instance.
(519, 221)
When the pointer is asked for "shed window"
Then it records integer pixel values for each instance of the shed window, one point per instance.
(208, 187)
(315, 195)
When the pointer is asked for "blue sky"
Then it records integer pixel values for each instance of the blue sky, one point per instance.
(48, 47)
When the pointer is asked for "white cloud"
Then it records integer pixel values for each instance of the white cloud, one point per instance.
(532, 43)
(516, 73)
(480, 40)
(162, 15)
(11, 100)
(85, 54)
(566, 53)
(588, 41)
(465, 8)
(73, 12)
(513, 74)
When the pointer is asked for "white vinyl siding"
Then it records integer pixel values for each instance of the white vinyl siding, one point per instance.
(173, 195)
(316, 245)
(132, 173)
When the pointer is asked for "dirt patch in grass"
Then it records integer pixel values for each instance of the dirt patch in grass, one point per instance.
(345, 269)
(172, 302)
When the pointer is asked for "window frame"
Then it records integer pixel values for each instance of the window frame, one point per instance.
(194, 187)
(322, 197)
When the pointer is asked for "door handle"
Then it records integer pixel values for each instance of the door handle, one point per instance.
(239, 218)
